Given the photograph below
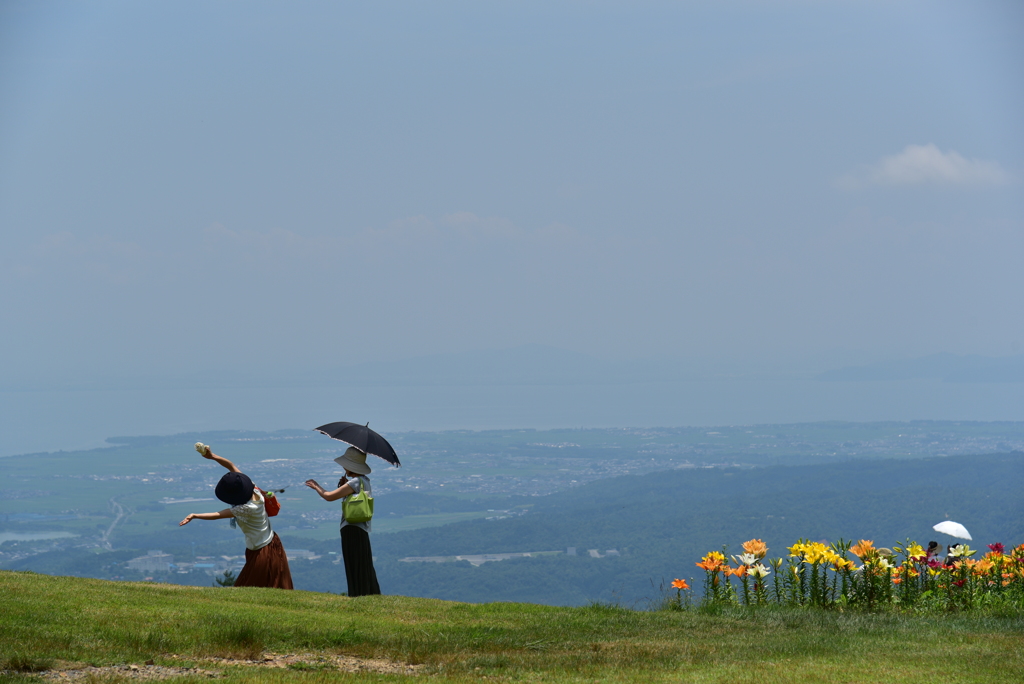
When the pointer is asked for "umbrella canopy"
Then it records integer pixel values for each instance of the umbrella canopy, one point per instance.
(953, 529)
(362, 438)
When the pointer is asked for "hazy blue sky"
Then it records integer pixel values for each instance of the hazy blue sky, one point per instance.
(210, 186)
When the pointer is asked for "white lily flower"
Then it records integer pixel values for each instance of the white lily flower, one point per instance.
(759, 571)
(961, 551)
(745, 559)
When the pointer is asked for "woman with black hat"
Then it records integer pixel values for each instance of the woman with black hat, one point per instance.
(266, 564)
(355, 536)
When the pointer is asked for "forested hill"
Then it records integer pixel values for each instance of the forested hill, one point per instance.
(662, 523)
(883, 500)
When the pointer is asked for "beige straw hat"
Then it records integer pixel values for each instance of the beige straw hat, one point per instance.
(354, 461)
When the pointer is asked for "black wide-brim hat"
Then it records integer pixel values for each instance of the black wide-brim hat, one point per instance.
(234, 489)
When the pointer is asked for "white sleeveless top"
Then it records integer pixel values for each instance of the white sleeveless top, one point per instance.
(253, 520)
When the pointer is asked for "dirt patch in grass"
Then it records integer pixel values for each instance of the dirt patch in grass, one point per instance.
(213, 667)
(314, 661)
(117, 672)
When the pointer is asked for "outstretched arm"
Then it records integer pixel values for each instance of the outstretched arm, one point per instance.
(339, 493)
(226, 513)
(220, 459)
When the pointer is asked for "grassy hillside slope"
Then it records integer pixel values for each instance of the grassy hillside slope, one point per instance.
(61, 623)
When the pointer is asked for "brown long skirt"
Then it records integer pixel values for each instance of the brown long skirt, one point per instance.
(266, 567)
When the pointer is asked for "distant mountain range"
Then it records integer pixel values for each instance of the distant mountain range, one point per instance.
(946, 367)
(533, 365)
(536, 364)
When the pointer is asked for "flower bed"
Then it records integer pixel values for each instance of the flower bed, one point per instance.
(848, 574)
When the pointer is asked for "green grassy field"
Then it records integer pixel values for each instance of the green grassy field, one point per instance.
(63, 623)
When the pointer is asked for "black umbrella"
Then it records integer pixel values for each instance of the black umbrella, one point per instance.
(362, 438)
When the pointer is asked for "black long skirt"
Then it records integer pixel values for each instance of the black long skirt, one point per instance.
(355, 549)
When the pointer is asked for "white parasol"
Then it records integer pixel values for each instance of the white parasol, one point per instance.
(953, 529)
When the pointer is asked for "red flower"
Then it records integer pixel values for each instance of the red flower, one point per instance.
(959, 583)
(997, 547)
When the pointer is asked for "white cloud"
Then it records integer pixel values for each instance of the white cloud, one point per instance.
(927, 164)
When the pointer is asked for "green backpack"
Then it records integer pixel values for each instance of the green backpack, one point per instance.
(358, 508)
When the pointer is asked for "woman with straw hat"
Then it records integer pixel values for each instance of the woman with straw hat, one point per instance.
(355, 536)
(266, 564)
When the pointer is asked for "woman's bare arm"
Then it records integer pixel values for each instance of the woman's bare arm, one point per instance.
(226, 513)
(339, 493)
(220, 459)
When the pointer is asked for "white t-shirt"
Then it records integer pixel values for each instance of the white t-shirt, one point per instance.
(356, 483)
(253, 520)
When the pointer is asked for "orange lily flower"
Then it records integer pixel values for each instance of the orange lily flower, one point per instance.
(712, 562)
(680, 584)
(983, 566)
(865, 547)
(756, 547)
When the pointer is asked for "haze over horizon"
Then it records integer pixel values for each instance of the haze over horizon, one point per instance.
(220, 196)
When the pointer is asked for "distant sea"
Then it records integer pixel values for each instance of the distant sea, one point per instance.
(37, 421)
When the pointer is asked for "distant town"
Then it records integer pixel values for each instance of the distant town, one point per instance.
(113, 497)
